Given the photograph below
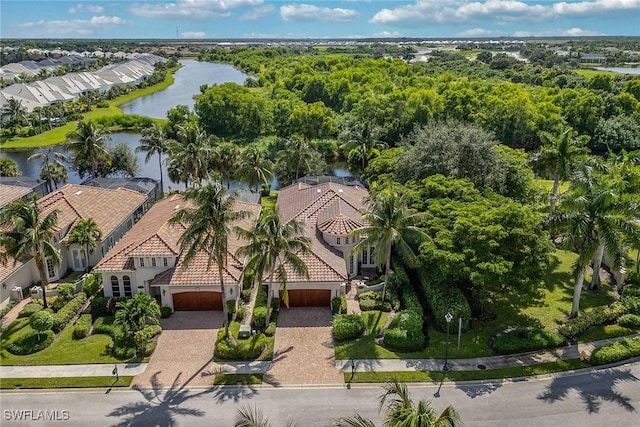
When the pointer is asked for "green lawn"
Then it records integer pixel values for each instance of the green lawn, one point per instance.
(64, 382)
(59, 135)
(234, 379)
(269, 202)
(64, 350)
(547, 307)
(589, 73)
(437, 376)
(374, 321)
(605, 331)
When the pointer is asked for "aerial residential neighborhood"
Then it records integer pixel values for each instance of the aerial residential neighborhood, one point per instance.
(352, 214)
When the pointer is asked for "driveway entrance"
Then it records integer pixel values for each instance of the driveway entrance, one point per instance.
(303, 352)
(184, 351)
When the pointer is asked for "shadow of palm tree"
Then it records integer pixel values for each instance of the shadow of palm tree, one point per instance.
(600, 386)
(281, 354)
(476, 390)
(158, 408)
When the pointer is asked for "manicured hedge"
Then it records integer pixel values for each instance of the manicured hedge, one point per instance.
(92, 284)
(521, 340)
(446, 299)
(165, 312)
(66, 291)
(29, 309)
(403, 340)
(250, 349)
(66, 313)
(259, 317)
(99, 306)
(408, 298)
(348, 326)
(82, 326)
(105, 326)
(240, 313)
(597, 316)
(339, 305)
(616, 352)
(270, 330)
(31, 342)
(629, 320)
(371, 304)
(390, 299)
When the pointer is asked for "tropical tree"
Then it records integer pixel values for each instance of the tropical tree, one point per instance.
(272, 247)
(388, 223)
(58, 174)
(17, 112)
(49, 158)
(225, 160)
(557, 158)
(254, 168)
(87, 234)
(189, 155)
(24, 235)
(401, 411)
(9, 167)
(208, 216)
(88, 145)
(250, 416)
(137, 312)
(362, 140)
(154, 141)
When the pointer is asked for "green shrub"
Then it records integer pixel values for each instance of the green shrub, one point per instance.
(408, 298)
(240, 313)
(390, 298)
(446, 299)
(81, 327)
(631, 303)
(102, 104)
(124, 347)
(250, 349)
(105, 326)
(407, 320)
(56, 303)
(99, 306)
(370, 304)
(615, 352)
(631, 291)
(337, 305)
(246, 294)
(271, 329)
(66, 313)
(521, 340)
(41, 321)
(148, 348)
(31, 342)
(7, 308)
(29, 309)
(348, 326)
(629, 320)
(597, 316)
(259, 317)
(165, 312)
(66, 291)
(92, 284)
(147, 333)
(403, 340)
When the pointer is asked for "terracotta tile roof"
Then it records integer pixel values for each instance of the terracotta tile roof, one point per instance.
(9, 193)
(329, 207)
(154, 236)
(109, 208)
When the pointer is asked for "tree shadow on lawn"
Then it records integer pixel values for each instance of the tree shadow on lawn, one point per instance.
(599, 386)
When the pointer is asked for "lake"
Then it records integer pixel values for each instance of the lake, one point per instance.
(621, 70)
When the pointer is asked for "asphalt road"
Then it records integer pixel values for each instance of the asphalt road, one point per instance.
(607, 397)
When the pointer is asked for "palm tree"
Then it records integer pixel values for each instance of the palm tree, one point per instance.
(401, 411)
(207, 218)
(272, 246)
(58, 174)
(190, 155)
(85, 233)
(363, 137)
(49, 158)
(25, 235)
(250, 416)
(595, 218)
(389, 222)
(154, 141)
(558, 157)
(225, 160)
(88, 144)
(137, 312)
(253, 167)
(297, 156)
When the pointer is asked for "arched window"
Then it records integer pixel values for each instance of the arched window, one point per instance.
(126, 281)
(115, 286)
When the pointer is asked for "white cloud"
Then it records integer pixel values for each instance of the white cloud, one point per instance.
(446, 11)
(476, 32)
(74, 27)
(193, 35)
(190, 9)
(308, 12)
(89, 8)
(571, 32)
(257, 13)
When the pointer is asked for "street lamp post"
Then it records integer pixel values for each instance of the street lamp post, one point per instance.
(448, 318)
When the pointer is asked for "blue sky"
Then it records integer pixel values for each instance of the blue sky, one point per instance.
(192, 19)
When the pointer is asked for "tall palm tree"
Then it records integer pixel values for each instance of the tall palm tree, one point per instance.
(87, 234)
(272, 246)
(557, 158)
(49, 158)
(225, 160)
(253, 167)
(88, 144)
(594, 218)
(58, 174)
(208, 217)
(389, 223)
(154, 141)
(24, 234)
(363, 136)
(297, 156)
(402, 411)
(189, 156)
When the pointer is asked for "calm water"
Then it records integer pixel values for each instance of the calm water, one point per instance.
(188, 80)
(622, 70)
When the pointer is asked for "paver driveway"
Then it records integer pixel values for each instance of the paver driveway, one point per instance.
(184, 351)
(303, 352)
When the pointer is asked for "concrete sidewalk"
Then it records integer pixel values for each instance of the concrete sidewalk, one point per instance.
(59, 371)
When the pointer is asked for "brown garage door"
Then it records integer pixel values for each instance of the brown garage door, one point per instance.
(192, 301)
(310, 298)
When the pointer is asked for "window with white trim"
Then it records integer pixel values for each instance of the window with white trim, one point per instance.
(141, 262)
(153, 262)
(115, 286)
(126, 282)
(338, 241)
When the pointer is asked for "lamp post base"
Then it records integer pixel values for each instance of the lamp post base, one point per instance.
(445, 368)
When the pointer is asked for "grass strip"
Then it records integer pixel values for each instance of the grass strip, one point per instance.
(437, 376)
(234, 379)
(64, 382)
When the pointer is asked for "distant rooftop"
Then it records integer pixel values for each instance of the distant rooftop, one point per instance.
(344, 180)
